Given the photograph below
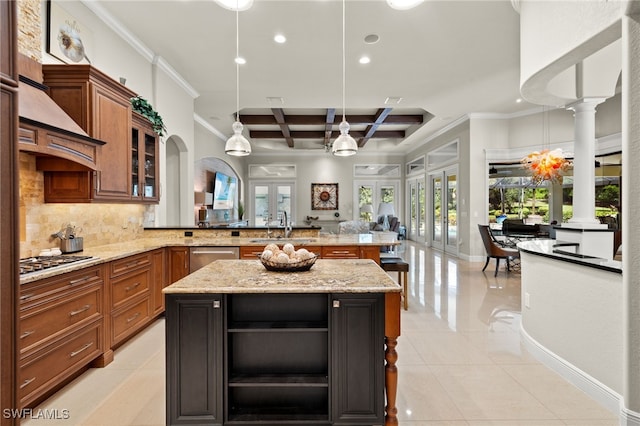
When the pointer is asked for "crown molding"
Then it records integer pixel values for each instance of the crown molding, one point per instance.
(138, 45)
(201, 121)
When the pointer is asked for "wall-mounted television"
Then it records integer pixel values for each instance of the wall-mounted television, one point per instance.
(224, 191)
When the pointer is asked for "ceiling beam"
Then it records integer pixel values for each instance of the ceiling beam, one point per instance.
(278, 113)
(356, 119)
(328, 125)
(320, 134)
(380, 116)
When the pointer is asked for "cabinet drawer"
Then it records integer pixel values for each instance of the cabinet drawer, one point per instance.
(119, 267)
(250, 252)
(340, 252)
(48, 320)
(46, 368)
(130, 320)
(126, 288)
(42, 290)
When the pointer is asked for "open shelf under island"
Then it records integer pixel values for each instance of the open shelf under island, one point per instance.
(249, 346)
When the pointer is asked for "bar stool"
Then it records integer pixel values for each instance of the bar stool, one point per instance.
(397, 264)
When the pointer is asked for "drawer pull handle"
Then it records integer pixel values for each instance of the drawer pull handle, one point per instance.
(131, 287)
(26, 296)
(27, 334)
(82, 349)
(336, 303)
(26, 382)
(79, 280)
(132, 318)
(79, 311)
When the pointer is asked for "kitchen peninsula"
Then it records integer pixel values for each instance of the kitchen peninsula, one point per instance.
(249, 346)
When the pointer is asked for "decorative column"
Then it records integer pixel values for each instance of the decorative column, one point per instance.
(584, 180)
(631, 215)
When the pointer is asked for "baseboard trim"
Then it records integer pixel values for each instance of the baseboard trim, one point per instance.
(606, 396)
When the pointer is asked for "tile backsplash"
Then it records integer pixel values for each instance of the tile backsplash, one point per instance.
(98, 223)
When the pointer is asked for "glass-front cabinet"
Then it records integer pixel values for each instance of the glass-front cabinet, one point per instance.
(144, 160)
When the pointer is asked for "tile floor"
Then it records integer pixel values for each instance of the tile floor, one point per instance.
(460, 362)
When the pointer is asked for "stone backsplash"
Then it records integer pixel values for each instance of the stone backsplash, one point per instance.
(99, 223)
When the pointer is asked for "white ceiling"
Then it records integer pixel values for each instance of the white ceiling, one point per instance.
(449, 58)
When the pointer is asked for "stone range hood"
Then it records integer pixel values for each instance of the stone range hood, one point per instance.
(59, 143)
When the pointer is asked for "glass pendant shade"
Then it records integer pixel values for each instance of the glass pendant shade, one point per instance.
(344, 145)
(237, 144)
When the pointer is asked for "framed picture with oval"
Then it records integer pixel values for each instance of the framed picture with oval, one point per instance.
(324, 196)
(67, 38)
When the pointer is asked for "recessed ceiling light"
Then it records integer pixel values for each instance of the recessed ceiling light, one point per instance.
(518, 100)
(235, 4)
(393, 100)
(403, 4)
(371, 38)
(279, 38)
(364, 60)
(240, 60)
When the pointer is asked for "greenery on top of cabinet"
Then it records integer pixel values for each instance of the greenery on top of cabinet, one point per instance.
(142, 106)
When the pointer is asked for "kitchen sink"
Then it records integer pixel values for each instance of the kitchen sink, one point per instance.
(293, 241)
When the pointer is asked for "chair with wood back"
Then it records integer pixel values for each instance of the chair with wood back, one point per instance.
(495, 250)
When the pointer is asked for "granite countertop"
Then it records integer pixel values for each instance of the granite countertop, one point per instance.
(250, 276)
(110, 252)
(549, 248)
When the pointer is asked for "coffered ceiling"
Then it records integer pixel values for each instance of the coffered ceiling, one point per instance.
(431, 66)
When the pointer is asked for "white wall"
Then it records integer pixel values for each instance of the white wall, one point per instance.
(321, 167)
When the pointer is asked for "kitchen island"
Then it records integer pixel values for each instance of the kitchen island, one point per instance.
(249, 346)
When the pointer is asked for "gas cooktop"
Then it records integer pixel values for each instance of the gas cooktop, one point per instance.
(39, 263)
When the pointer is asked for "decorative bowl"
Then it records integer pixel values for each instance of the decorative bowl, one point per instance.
(302, 265)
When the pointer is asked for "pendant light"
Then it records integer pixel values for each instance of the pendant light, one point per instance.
(344, 145)
(237, 145)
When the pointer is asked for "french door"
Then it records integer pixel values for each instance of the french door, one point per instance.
(444, 210)
(269, 200)
(416, 229)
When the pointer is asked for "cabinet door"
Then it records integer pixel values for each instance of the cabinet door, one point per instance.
(194, 359)
(144, 161)
(357, 349)
(178, 263)
(112, 124)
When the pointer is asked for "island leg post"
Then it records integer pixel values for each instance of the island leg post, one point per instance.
(391, 333)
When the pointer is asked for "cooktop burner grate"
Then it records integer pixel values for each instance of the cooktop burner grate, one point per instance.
(39, 263)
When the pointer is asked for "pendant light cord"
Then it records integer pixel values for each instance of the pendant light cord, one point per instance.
(344, 72)
(236, 61)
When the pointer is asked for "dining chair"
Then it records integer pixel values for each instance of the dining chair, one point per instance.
(495, 250)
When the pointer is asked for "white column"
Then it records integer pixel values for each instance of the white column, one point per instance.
(584, 180)
(631, 216)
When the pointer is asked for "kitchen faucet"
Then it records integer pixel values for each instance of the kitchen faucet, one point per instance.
(287, 226)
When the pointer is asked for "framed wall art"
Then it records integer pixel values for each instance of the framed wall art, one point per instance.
(67, 38)
(324, 196)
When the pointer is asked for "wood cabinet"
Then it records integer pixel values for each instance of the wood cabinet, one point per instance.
(324, 252)
(9, 229)
(101, 106)
(178, 263)
(159, 280)
(195, 348)
(275, 359)
(60, 330)
(250, 252)
(144, 160)
(130, 281)
(356, 349)
(340, 252)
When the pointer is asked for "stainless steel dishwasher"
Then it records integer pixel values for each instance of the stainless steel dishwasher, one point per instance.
(202, 256)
